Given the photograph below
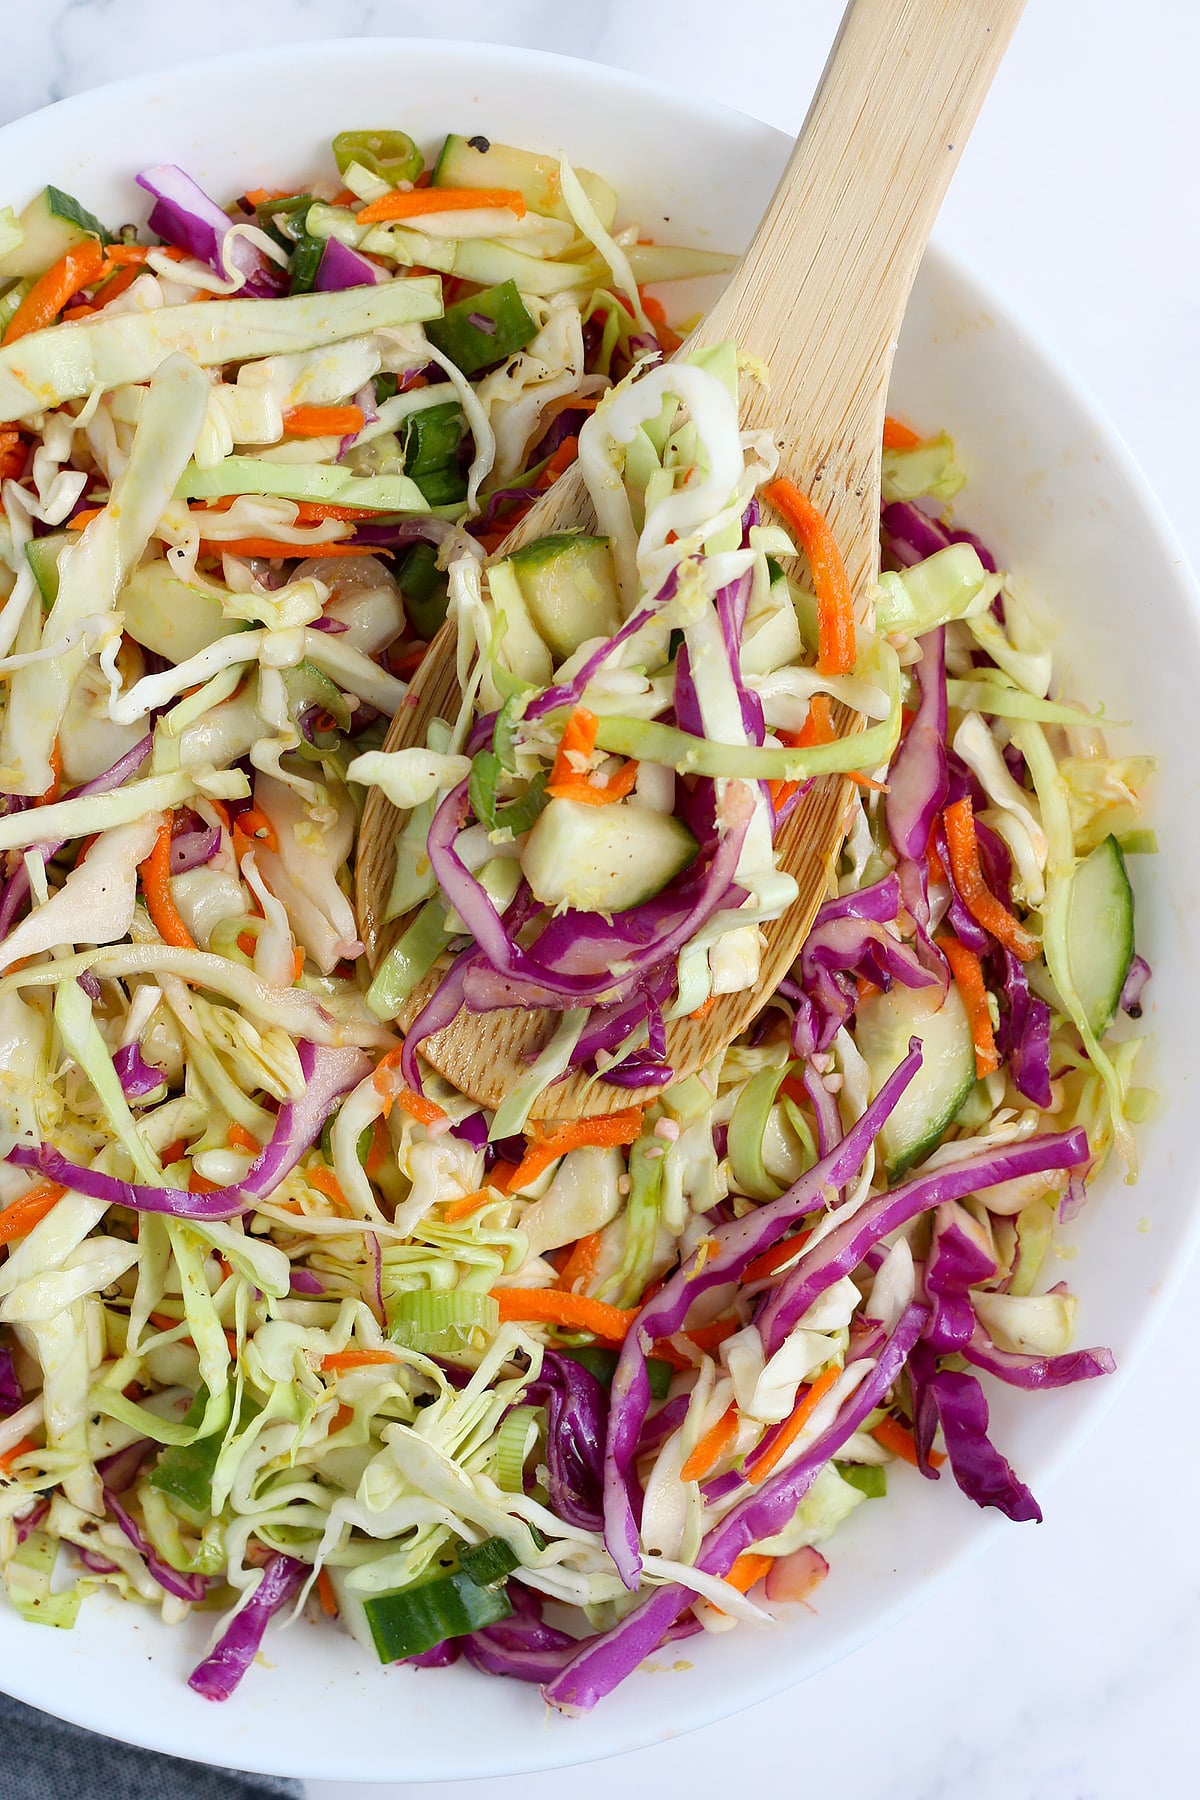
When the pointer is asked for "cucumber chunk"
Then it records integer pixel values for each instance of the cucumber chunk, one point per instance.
(405, 1621)
(51, 224)
(476, 162)
(42, 555)
(604, 858)
(483, 329)
(570, 586)
(885, 1023)
(1100, 933)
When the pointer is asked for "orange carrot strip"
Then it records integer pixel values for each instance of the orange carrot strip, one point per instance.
(22, 1214)
(134, 255)
(572, 1312)
(654, 310)
(606, 1128)
(900, 1441)
(578, 787)
(339, 1361)
(702, 1011)
(311, 512)
(341, 1418)
(710, 1337)
(267, 547)
(712, 1447)
(418, 1107)
(897, 436)
(238, 1138)
(836, 650)
(78, 269)
(413, 201)
(22, 1447)
(12, 454)
(749, 1568)
(323, 421)
(578, 739)
(327, 1183)
(968, 979)
(258, 831)
(558, 460)
(155, 873)
(468, 1204)
(326, 1595)
(977, 897)
(774, 1258)
(792, 1426)
(84, 518)
(580, 1266)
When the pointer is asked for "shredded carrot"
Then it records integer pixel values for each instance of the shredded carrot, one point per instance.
(935, 865)
(324, 421)
(134, 255)
(968, 979)
(327, 1183)
(702, 1011)
(897, 436)
(118, 284)
(12, 454)
(341, 1418)
(900, 1441)
(200, 1184)
(712, 1447)
(311, 512)
(559, 459)
(155, 873)
(326, 1595)
(79, 268)
(571, 1312)
(238, 1138)
(339, 1361)
(792, 1426)
(84, 518)
(836, 650)
(413, 201)
(710, 1337)
(261, 196)
(605, 1128)
(749, 1568)
(22, 1447)
(578, 740)
(418, 1106)
(297, 965)
(468, 1204)
(268, 548)
(983, 906)
(656, 313)
(578, 787)
(176, 1149)
(247, 943)
(580, 1266)
(254, 826)
(774, 1258)
(22, 1214)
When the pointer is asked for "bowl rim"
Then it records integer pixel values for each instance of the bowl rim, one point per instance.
(555, 1751)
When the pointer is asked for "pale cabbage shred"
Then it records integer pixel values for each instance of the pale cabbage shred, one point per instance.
(412, 1463)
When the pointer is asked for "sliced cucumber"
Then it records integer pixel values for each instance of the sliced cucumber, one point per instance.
(483, 329)
(169, 616)
(42, 555)
(1100, 932)
(570, 586)
(603, 858)
(884, 1026)
(405, 1621)
(51, 224)
(476, 162)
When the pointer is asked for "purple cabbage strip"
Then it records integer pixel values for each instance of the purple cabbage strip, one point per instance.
(825, 1110)
(523, 1646)
(98, 1565)
(328, 1074)
(441, 1656)
(967, 928)
(727, 1252)
(1033, 1372)
(12, 1394)
(977, 1466)
(120, 1470)
(603, 1664)
(341, 267)
(222, 1669)
(192, 849)
(1135, 982)
(185, 216)
(138, 1077)
(472, 1130)
(576, 1419)
(90, 985)
(912, 533)
(841, 1251)
(1023, 1037)
(303, 1281)
(918, 780)
(958, 1261)
(31, 1521)
(833, 957)
(184, 1587)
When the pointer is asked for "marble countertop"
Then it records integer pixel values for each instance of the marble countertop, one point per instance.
(1064, 1665)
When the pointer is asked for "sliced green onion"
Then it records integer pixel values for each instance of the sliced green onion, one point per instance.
(514, 1440)
(391, 155)
(440, 1323)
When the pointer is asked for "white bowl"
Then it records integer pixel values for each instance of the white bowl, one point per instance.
(1054, 491)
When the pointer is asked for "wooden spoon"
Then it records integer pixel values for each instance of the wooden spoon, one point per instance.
(819, 296)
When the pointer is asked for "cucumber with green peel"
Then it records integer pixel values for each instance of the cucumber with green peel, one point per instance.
(406, 1621)
(1100, 933)
(476, 162)
(883, 1027)
(11, 299)
(42, 555)
(483, 329)
(604, 858)
(51, 224)
(569, 581)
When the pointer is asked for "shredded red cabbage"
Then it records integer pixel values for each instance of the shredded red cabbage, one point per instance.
(222, 1669)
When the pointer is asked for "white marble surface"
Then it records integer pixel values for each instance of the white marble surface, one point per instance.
(1065, 1665)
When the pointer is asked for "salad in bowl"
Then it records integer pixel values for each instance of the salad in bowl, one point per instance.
(289, 1324)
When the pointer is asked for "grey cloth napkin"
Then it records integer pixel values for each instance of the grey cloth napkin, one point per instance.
(42, 1758)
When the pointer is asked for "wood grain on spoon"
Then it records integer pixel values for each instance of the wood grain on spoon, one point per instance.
(819, 298)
